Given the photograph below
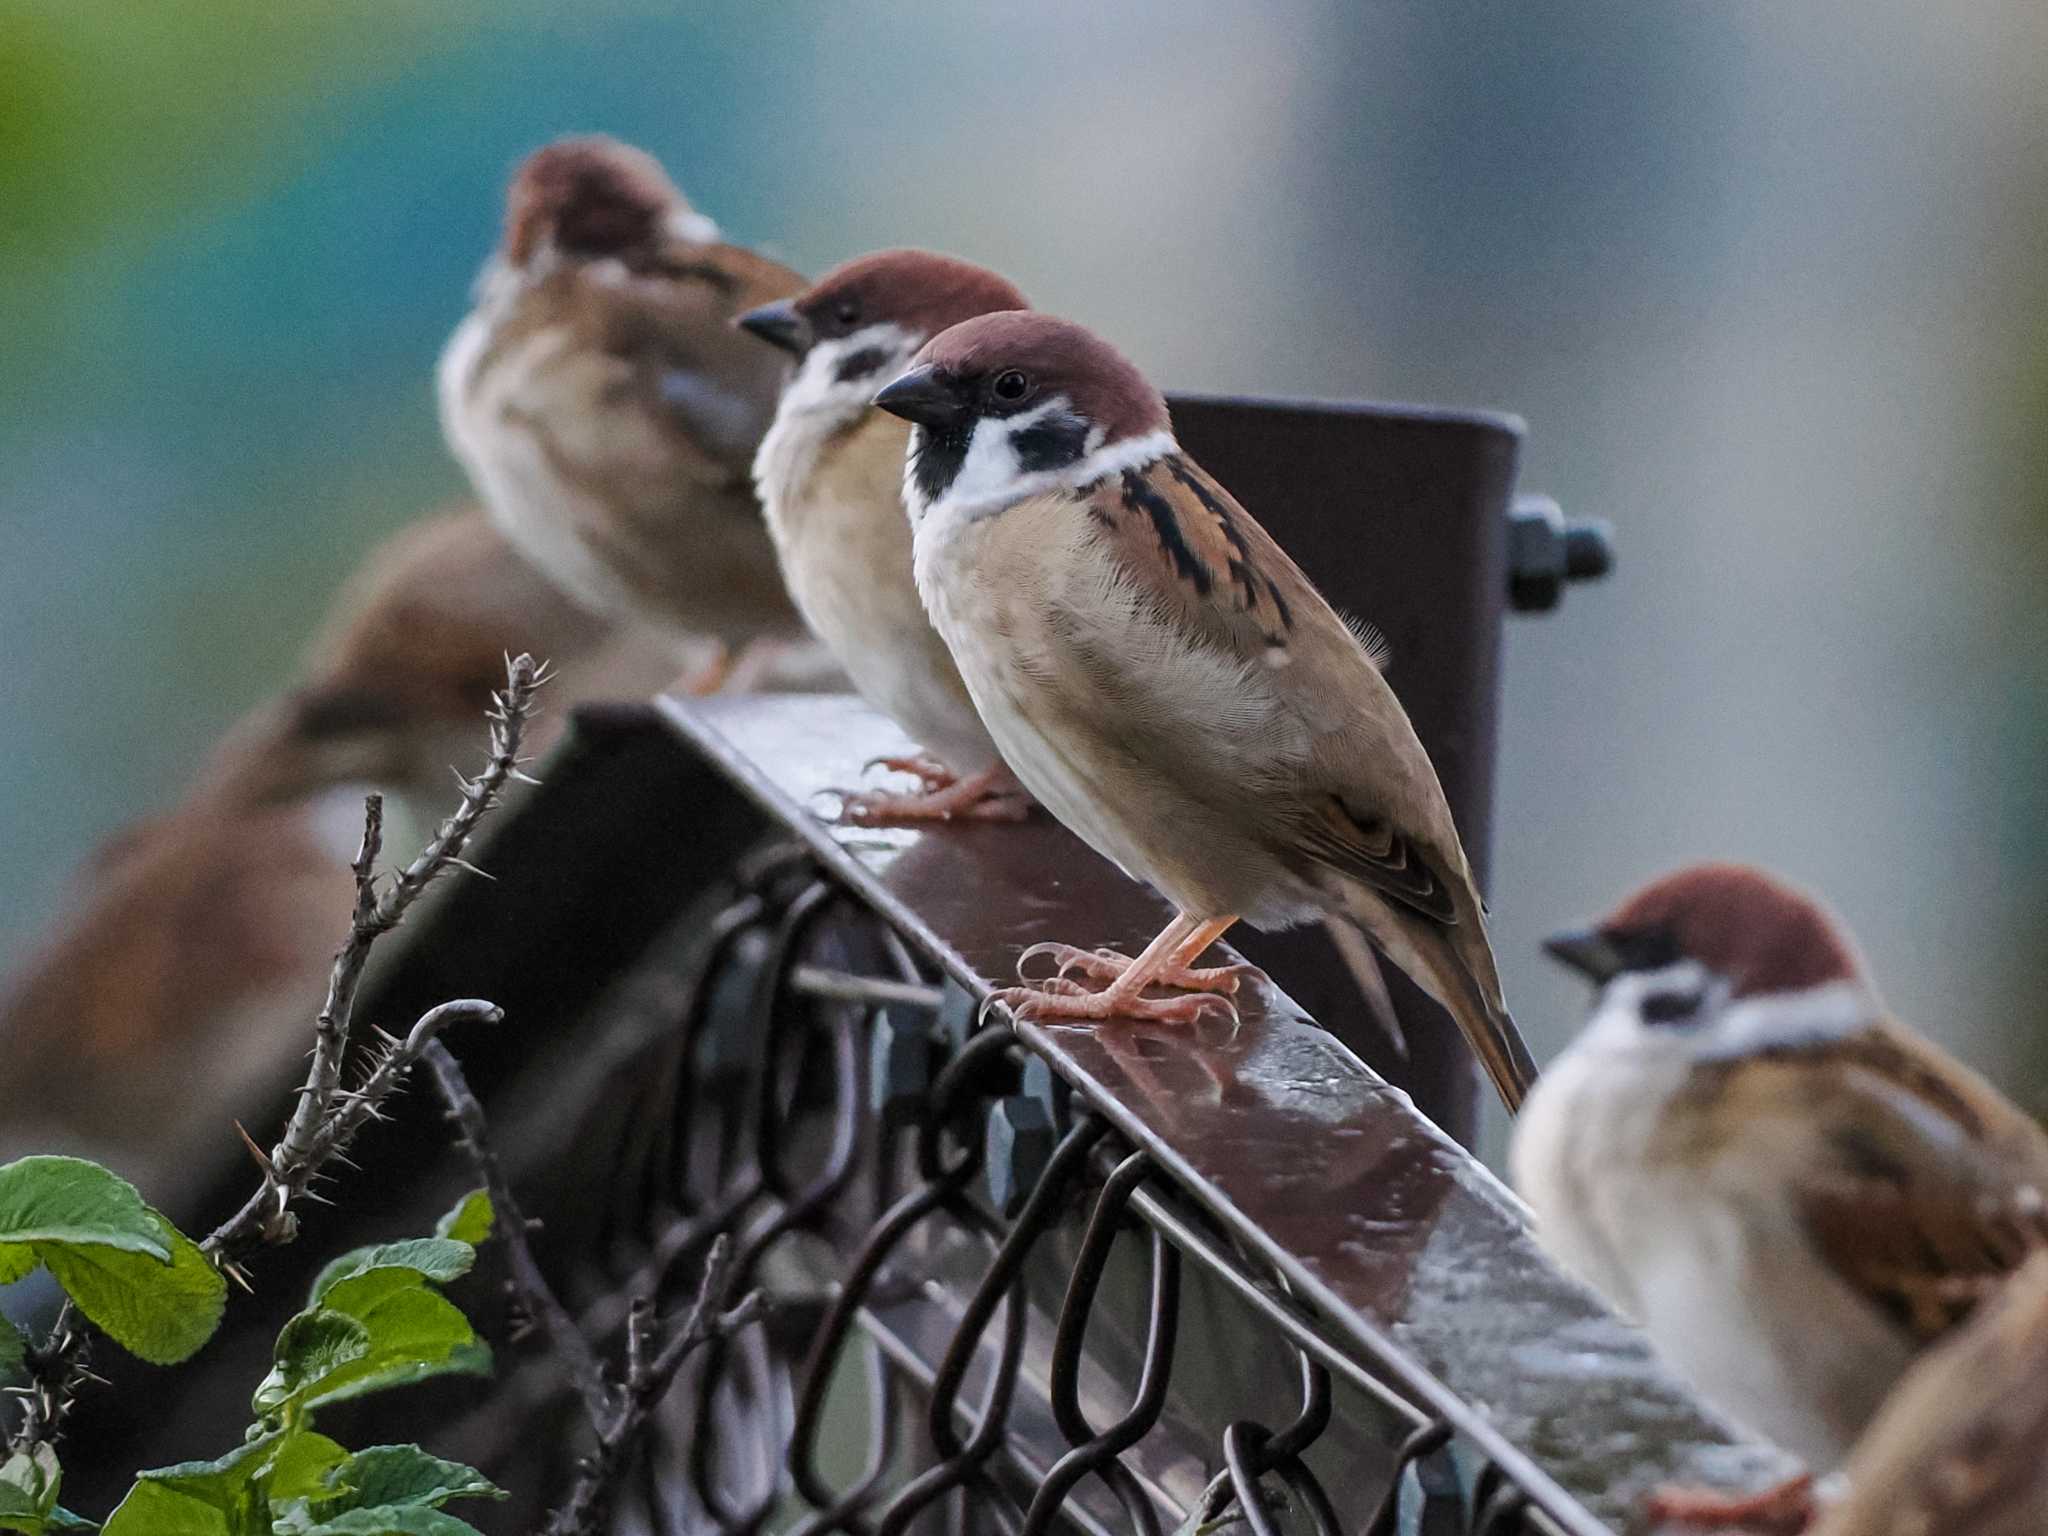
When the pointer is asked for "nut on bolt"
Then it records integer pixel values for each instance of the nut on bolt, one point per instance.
(1546, 550)
(902, 1059)
(1023, 1128)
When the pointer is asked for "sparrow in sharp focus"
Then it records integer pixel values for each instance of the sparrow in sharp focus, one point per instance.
(830, 477)
(1961, 1446)
(603, 406)
(1792, 1192)
(1165, 680)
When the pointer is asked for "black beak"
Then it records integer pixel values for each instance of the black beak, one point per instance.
(924, 396)
(779, 324)
(1589, 952)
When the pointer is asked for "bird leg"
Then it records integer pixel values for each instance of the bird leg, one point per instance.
(992, 795)
(707, 679)
(1783, 1509)
(1163, 963)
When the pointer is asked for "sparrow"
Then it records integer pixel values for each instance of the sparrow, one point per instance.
(394, 685)
(830, 478)
(603, 407)
(1793, 1193)
(1961, 1445)
(1165, 680)
(179, 980)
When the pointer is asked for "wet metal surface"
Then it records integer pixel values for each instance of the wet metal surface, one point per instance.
(1411, 1252)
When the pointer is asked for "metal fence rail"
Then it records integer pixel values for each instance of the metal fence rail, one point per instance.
(1113, 1280)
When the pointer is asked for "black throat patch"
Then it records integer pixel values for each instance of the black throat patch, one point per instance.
(936, 457)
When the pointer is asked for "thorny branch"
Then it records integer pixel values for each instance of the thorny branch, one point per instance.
(618, 1412)
(327, 1116)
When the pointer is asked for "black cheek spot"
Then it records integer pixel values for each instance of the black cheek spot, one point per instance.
(857, 365)
(1053, 443)
(1671, 1007)
(1140, 497)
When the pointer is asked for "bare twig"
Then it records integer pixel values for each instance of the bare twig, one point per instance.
(536, 1297)
(648, 1378)
(618, 1412)
(327, 1117)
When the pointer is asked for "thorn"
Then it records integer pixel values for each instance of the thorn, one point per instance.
(262, 1159)
(465, 864)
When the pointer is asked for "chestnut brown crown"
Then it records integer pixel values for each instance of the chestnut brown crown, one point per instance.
(1749, 927)
(588, 196)
(921, 291)
(1054, 357)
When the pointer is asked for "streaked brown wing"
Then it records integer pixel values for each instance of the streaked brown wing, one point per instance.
(1934, 1187)
(1182, 534)
(1372, 851)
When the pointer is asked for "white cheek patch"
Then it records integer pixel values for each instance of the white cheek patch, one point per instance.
(817, 385)
(992, 469)
(992, 476)
(697, 228)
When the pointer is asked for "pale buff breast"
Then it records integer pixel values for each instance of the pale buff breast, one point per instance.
(1125, 729)
(833, 499)
(578, 468)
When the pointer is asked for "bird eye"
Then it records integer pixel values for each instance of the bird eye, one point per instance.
(846, 311)
(1010, 385)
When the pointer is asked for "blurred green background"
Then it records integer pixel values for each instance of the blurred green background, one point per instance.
(1769, 283)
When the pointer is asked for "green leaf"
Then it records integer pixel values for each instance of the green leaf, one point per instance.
(28, 1488)
(413, 1332)
(394, 1520)
(310, 1348)
(160, 1312)
(403, 1474)
(303, 1466)
(69, 1200)
(223, 1497)
(62, 1519)
(13, 1353)
(436, 1258)
(153, 1509)
(470, 1221)
(16, 1260)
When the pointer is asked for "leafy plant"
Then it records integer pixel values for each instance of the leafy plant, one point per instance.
(373, 1319)
(139, 1279)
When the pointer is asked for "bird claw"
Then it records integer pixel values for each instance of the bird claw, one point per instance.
(875, 808)
(928, 771)
(1108, 965)
(1057, 999)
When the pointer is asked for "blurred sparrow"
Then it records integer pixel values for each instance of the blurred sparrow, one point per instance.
(830, 474)
(1165, 680)
(396, 682)
(605, 410)
(1961, 1446)
(1793, 1193)
(181, 977)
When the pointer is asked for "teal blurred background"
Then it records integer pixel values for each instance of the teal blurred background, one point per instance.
(1769, 283)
